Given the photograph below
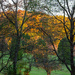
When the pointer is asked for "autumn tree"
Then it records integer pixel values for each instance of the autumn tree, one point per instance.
(50, 25)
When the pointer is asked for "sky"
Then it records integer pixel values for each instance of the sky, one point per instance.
(60, 12)
(71, 2)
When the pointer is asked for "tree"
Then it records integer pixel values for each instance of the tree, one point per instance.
(43, 59)
(49, 64)
(10, 11)
(50, 24)
(64, 50)
(69, 31)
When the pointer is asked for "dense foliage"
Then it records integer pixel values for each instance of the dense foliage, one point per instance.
(64, 50)
(34, 39)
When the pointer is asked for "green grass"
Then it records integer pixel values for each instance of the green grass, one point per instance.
(39, 71)
(36, 71)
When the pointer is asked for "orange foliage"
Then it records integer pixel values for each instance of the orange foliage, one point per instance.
(51, 25)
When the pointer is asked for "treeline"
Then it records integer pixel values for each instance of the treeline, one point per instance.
(30, 40)
(38, 20)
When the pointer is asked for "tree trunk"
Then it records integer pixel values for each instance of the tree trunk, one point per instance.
(72, 46)
(73, 71)
(16, 53)
(48, 72)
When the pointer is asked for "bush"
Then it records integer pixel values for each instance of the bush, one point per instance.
(64, 50)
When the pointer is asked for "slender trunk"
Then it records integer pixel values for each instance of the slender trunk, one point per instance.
(16, 53)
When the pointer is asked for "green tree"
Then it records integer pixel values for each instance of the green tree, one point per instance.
(46, 61)
(43, 59)
(64, 50)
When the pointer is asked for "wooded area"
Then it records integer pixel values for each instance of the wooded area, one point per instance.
(32, 35)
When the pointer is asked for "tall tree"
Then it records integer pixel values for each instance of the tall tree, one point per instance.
(69, 11)
(10, 10)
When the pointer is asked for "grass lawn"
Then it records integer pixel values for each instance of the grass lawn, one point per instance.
(36, 71)
(39, 71)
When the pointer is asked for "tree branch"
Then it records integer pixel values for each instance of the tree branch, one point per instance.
(23, 17)
(55, 49)
(64, 9)
(67, 27)
(68, 6)
(6, 15)
(13, 2)
(28, 28)
(5, 65)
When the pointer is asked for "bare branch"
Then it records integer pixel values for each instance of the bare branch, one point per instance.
(64, 9)
(73, 9)
(3, 55)
(5, 65)
(13, 2)
(24, 16)
(66, 32)
(55, 49)
(67, 27)
(68, 6)
(53, 14)
(26, 29)
(7, 16)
